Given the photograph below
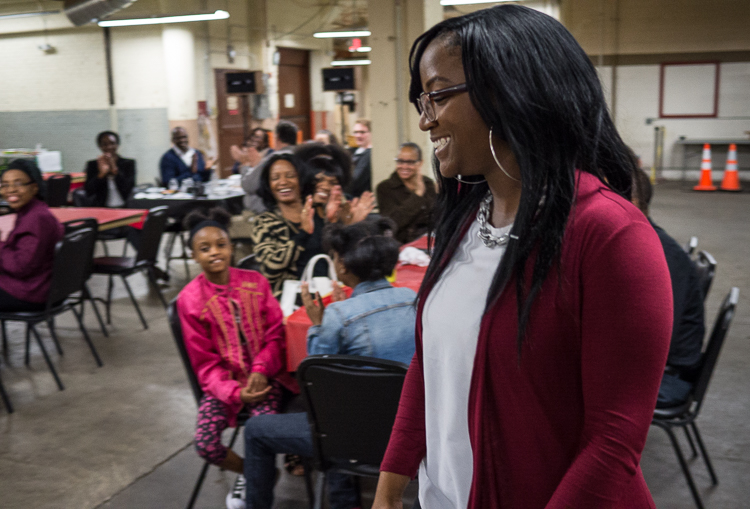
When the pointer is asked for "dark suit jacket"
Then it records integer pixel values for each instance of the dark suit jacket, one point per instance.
(96, 188)
(172, 167)
(361, 176)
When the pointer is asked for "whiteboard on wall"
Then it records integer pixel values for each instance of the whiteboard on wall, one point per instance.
(689, 90)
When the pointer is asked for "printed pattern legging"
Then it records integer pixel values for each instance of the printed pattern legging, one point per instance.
(213, 419)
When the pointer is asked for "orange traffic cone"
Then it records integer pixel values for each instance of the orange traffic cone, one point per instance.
(731, 180)
(705, 183)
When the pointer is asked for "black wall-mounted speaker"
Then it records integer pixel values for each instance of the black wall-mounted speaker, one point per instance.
(242, 82)
(338, 78)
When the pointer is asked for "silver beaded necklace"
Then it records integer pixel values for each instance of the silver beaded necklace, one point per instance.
(484, 232)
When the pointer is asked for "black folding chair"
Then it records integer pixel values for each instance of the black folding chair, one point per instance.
(144, 261)
(249, 263)
(75, 225)
(684, 415)
(691, 245)
(351, 406)
(174, 323)
(705, 266)
(58, 187)
(69, 274)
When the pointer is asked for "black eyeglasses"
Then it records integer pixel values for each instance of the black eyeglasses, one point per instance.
(426, 100)
(15, 185)
(410, 162)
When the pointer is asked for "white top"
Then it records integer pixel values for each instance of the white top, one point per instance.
(187, 156)
(114, 198)
(450, 330)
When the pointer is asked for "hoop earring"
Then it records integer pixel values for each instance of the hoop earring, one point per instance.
(494, 156)
(460, 179)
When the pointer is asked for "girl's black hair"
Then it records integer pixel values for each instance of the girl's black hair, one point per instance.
(533, 84)
(101, 136)
(367, 248)
(264, 189)
(330, 159)
(216, 215)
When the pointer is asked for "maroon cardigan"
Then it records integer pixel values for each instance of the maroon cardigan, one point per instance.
(27, 255)
(565, 427)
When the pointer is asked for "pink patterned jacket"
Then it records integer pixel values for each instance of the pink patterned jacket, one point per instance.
(222, 359)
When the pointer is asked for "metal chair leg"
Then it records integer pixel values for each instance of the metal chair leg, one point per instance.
(690, 441)
(28, 344)
(198, 485)
(706, 459)
(320, 488)
(46, 358)
(5, 397)
(87, 296)
(51, 325)
(309, 483)
(152, 280)
(109, 299)
(683, 463)
(5, 338)
(184, 255)
(135, 302)
(87, 338)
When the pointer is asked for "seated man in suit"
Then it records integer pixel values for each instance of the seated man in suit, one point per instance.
(688, 327)
(182, 161)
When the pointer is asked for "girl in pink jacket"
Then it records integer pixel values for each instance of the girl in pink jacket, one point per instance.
(233, 332)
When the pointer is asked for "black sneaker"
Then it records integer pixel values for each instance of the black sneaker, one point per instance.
(236, 497)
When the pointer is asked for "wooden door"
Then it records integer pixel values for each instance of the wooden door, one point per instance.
(233, 119)
(294, 88)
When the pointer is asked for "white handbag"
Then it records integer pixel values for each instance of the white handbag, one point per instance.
(322, 285)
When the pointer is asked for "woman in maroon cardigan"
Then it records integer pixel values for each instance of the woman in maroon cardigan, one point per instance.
(544, 318)
(27, 253)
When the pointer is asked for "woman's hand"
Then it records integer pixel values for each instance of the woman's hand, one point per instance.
(390, 491)
(314, 307)
(256, 390)
(104, 165)
(361, 207)
(335, 203)
(306, 220)
(338, 293)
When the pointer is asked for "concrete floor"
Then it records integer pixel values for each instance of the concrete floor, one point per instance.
(120, 436)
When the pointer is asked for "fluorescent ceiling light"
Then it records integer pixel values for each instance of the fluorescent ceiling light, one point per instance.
(351, 33)
(351, 62)
(469, 2)
(219, 14)
(364, 49)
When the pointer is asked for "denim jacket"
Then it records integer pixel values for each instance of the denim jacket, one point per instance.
(378, 320)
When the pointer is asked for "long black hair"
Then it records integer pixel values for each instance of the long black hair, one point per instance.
(534, 85)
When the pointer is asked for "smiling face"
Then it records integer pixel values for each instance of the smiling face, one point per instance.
(459, 135)
(180, 139)
(362, 135)
(284, 182)
(408, 164)
(258, 140)
(108, 145)
(17, 188)
(323, 185)
(212, 249)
